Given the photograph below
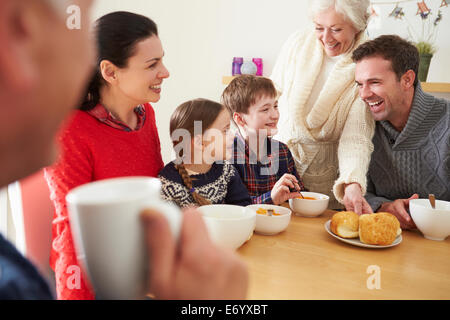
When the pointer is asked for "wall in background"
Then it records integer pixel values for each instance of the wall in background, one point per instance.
(440, 64)
(200, 37)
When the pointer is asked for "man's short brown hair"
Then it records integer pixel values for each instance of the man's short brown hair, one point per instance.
(402, 54)
(245, 90)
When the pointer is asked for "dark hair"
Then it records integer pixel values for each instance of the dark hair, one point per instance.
(184, 117)
(245, 90)
(116, 35)
(402, 54)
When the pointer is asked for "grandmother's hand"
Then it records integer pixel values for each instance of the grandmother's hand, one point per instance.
(354, 200)
(194, 268)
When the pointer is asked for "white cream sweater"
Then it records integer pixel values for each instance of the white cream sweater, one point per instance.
(332, 143)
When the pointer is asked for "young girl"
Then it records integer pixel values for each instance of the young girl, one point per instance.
(200, 133)
(113, 134)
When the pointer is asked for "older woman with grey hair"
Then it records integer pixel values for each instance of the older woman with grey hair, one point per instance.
(322, 120)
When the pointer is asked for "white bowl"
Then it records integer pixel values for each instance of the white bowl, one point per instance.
(309, 208)
(270, 225)
(433, 223)
(228, 225)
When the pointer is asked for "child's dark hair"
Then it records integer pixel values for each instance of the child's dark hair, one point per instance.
(116, 35)
(402, 54)
(245, 90)
(184, 117)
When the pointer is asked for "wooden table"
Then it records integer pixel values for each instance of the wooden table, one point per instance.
(305, 262)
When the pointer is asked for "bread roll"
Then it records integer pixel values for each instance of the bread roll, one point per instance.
(345, 224)
(378, 228)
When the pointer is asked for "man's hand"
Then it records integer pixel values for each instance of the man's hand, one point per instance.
(354, 200)
(281, 190)
(194, 268)
(398, 208)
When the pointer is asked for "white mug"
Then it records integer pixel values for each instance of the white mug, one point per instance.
(109, 236)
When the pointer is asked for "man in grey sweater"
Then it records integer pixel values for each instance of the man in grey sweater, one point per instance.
(411, 157)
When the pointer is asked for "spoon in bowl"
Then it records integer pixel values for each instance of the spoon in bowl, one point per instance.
(296, 190)
(432, 200)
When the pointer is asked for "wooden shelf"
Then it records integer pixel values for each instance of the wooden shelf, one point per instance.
(227, 79)
(436, 87)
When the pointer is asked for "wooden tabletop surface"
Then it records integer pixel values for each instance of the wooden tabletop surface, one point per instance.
(305, 262)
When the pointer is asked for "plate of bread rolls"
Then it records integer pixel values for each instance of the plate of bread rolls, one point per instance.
(375, 230)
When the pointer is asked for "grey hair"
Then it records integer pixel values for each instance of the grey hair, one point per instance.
(355, 11)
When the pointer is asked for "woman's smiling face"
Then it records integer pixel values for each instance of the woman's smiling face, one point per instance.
(334, 32)
(141, 79)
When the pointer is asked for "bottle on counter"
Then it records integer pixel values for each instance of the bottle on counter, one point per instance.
(237, 63)
(259, 65)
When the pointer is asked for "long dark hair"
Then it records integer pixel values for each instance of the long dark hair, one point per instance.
(184, 117)
(116, 35)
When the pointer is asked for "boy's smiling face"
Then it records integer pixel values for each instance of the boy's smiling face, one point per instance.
(262, 116)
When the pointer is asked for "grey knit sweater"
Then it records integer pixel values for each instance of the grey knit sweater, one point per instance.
(415, 160)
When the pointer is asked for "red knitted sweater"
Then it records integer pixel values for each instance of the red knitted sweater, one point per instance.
(91, 150)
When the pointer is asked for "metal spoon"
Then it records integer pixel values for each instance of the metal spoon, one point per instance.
(432, 200)
(296, 190)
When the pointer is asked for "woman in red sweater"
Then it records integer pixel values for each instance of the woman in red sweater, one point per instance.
(113, 134)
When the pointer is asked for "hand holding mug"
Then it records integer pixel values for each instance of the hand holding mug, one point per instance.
(196, 268)
(109, 236)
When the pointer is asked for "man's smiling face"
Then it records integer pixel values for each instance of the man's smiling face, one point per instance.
(379, 87)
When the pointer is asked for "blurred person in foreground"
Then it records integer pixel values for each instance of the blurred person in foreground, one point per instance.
(44, 68)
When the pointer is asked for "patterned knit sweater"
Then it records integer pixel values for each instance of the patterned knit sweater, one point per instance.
(415, 160)
(220, 185)
(331, 143)
(91, 150)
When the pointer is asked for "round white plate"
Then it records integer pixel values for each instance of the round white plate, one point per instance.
(357, 242)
